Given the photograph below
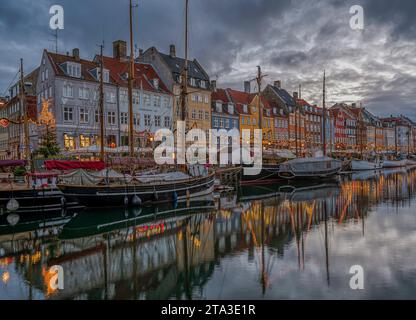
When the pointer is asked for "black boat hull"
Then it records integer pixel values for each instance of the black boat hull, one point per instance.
(121, 196)
(34, 200)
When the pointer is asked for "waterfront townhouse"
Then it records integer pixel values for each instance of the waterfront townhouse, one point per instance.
(71, 86)
(370, 135)
(344, 128)
(247, 109)
(403, 133)
(313, 124)
(224, 113)
(280, 126)
(12, 137)
(294, 111)
(389, 135)
(152, 100)
(170, 69)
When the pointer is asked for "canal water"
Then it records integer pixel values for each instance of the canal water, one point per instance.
(279, 242)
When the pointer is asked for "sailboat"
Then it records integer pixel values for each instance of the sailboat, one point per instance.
(322, 167)
(362, 165)
(34, 192)
(109, 188)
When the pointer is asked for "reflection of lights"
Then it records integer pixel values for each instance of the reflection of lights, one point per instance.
(47, 277)
(5, 277)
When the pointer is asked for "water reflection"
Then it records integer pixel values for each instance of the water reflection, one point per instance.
(295, 241)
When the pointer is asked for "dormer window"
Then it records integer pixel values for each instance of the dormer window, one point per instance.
(203, 84)
(156, 84)
(230, 108)
(245, 108)
(73, 69)
(193, 82)
(218, 107)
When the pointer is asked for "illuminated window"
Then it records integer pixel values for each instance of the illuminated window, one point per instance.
(69, 142)
(84, 141)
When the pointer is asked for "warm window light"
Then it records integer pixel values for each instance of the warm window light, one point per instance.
(5, 277)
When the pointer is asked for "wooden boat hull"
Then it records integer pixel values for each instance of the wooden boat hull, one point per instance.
(357, 165)
(122, 195)
(35, 201)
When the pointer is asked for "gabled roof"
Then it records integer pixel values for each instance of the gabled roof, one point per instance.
(143, 73)
(176, 65)
(220, 95)
(86, 66)
(240, 98)
(284, 96)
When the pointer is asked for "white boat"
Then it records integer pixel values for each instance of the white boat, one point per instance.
(394, 163)
(361, 165)
(310, 168)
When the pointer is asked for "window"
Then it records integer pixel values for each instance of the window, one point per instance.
(83, 115)
(68, 114)
(147, 120)
(193, 82)
(123, 118)
(158, 121)
(203, 84)
(194, 98)
(84, 141)
(245, 109)
(124, 96)
(50, 92)
(136, 97)
(200, 98)
(97, 116)
(146, 99)
(167, 122)
(156, 101)
(206, 99)
(207, 115)
(216, 122)
(166, 102)
(111, 118)
(68, 91)
(69, 142)
(221, 123)
(136, 119)
(83, 93)
(74, 70)
(201, 115)
(110, 97)
(47, 74)
(193, 114)
(254, 122)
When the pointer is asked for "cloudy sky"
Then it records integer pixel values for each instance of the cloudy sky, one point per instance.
(293, 41)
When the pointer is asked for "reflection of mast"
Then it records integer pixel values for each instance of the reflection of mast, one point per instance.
(263, 271)
(326, 244)
(186, 260)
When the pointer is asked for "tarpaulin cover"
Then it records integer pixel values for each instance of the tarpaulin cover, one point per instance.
(12, 163)
(72, 165)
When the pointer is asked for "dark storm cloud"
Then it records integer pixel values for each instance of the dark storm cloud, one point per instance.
(292, 40)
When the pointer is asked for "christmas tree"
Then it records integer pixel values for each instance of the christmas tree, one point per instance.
(48, 146)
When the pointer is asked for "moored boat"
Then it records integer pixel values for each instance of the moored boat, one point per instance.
(362, 165)
(394, 163)
(109, 188)
(310, 168)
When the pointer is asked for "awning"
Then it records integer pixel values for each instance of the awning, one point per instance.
(72, 165)
(12, 163)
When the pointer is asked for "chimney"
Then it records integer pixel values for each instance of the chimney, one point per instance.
(75, 53)
(172, 51)
(214, 85)
(247, 87)
(278, 84)
(120, 49)
(295, 95)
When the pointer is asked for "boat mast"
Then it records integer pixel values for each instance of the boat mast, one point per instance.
(184, 92)
(102, 150)
(324, 116)
(259, 105)
(23, 107)
(130, 84)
